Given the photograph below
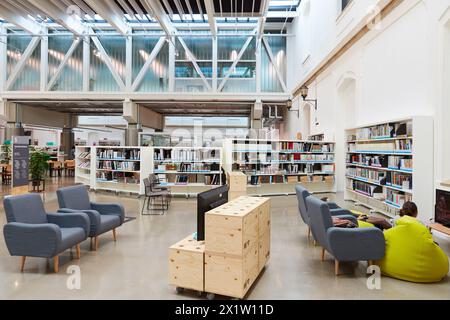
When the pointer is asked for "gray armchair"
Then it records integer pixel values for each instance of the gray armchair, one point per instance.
(344, 244)
(335, 210)
(31, 232)
(103, 217)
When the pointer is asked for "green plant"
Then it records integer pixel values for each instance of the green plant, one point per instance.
(5, 153)
(38, 164)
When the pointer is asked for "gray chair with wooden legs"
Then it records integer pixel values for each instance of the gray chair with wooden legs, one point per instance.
(151, 194)
(335, 210)
(343, 244)
(104, 217)
(31, 232)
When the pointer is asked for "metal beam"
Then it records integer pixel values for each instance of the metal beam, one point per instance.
(61, 17)
(18, 19)
(44, 63)
(194, 62)
(138, 9)
(235, 62)
(169, 8)
(111, 13)
(262, 20)
(85, 8)
(211, 20)
(63, 63)
(3, 57)
(22, 62)
(157, 10)
(108, 62)
(86, 63)
(152, 56)
(272, 59)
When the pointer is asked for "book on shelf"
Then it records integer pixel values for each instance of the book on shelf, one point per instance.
(127, 154)
(397, 199)
(118, 165)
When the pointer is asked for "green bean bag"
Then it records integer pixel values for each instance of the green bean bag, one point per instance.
(411, 253)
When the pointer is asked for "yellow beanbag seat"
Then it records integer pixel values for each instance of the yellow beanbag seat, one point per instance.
(412, 254)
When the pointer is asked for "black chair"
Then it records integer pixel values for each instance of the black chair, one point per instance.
(154, 180)
(151, 194)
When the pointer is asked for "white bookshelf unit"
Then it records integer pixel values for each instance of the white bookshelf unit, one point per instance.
(84, 166)
(188, 170)
(390, 163)
(274, 167)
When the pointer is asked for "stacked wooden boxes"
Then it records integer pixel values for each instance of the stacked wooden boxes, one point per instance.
(237, 245)
(186, 260)
(237, 181)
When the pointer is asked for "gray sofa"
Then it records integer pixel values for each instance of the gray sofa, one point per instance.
(335, 210)
(31, 232)
(366, 244)
(104, 217)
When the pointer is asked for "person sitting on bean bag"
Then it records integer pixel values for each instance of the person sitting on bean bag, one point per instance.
(411, 253)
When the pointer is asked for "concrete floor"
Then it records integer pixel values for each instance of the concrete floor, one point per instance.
(135, 267)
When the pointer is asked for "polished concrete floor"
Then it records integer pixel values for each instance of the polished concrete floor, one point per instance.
(135, 267)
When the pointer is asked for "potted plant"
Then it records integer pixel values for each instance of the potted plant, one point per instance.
(38, 167)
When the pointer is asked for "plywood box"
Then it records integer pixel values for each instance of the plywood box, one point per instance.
(233, 227)
(237, 181)
(186, 260)
(263, 250)
(231, 275)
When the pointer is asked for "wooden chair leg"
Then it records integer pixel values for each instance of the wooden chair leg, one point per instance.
(370, 263)
(78, 249)
(22, 263)
(323, 254)
(315, 243)
(309, 232)
(336, 267)
(92, 245)
(96, 243)
(56, 264)
(114, 235)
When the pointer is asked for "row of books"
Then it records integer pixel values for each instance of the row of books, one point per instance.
(400, 180)
(119, 165)
(274, 179)
(117, 177)
(213, 179)
(397, 199)
(130, 154)
(391, 162)
(306, 147)
(366, 189)
(402, 163)
(284, 158)
(371, 175)
(380, 131)
(187, 155)
(188, 167)
(383, 131)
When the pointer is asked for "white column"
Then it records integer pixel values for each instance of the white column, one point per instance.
(44, 62)
(214, 64)
(86, 63)
(172, 65)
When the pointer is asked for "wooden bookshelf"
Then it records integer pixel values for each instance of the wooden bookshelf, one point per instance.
(188, 170)
(390, 163)
(274, 167)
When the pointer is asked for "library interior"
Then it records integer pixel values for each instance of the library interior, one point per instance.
(225, 149)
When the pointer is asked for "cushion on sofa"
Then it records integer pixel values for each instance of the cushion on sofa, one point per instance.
(412, 254)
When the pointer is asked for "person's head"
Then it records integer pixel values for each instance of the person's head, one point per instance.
(409, 209)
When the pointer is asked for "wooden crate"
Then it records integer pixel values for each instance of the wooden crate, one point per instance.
(237, 245)
(186, 260)
(233, 227)
(231, 275)
(237, 181)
